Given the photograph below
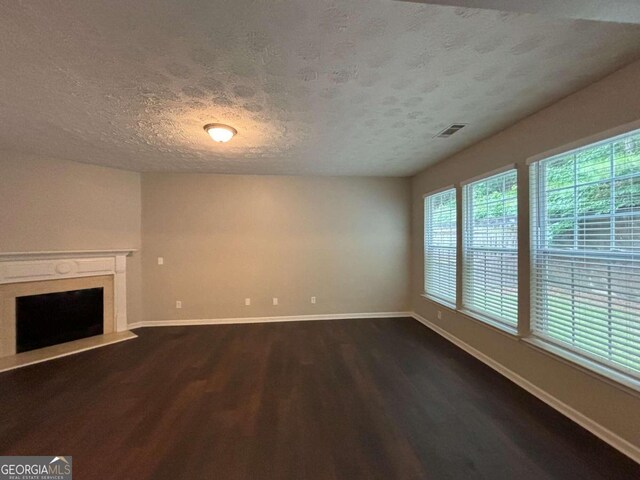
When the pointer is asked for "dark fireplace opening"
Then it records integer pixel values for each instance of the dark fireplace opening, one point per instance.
(52, 318)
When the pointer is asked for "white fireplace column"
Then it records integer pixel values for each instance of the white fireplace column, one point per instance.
(120, 293)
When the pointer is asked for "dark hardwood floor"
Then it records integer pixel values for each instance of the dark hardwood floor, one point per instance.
(361, 399)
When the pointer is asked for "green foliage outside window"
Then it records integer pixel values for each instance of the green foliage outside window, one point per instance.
(579, 185)
(581, 192)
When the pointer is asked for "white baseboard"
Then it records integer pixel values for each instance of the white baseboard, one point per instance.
(294, 318)
(617, 442)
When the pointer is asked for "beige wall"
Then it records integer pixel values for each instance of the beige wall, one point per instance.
(224, 238)
(50, 204)
(602, 106)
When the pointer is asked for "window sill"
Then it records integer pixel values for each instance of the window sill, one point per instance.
(507, 330)
(439, 301)
(592, 367)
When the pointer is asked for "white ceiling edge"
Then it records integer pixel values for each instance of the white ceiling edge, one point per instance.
(21, 156)
(619, 11)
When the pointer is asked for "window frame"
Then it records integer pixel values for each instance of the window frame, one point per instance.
(489, 320)
(585, 361)
(442, 301)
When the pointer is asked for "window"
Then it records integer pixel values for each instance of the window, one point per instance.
(490, 266)
(585, 220)
(440, 237)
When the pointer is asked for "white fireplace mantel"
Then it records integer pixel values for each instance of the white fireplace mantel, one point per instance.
(18, 267)
(8, 256)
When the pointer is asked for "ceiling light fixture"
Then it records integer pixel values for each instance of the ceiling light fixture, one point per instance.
(220, 132)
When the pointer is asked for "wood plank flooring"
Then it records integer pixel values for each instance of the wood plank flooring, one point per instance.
(357, 399)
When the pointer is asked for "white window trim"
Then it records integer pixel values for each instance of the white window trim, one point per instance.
(622, 380)
(482, 318)
(497, 171)
(606, 136)
(439, 190)
(489, 320)
(494, 323)
(442, 301)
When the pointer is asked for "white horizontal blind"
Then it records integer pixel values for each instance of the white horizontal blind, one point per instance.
(585, 219)
(440, 237)
(490, 269)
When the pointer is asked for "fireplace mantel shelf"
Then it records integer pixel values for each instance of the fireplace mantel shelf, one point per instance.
(9, 256)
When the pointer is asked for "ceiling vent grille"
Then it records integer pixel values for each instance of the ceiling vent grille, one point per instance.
(450, 130)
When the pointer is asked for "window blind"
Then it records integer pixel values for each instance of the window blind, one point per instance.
(490, 266)
(585, 227)
(440, 246)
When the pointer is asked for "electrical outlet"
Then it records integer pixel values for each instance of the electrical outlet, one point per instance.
(247, 301)
(160, 260)
(439, 315)
(178, 304)
(275, 300)
(313, 299)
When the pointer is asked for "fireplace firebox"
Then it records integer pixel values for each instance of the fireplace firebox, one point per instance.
(53, 318)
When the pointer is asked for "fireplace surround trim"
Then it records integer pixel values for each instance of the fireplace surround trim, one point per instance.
(19, 267)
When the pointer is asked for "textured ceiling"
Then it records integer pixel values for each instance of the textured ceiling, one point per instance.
(345, 87)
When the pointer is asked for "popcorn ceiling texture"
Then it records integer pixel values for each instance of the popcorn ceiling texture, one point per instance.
(345, 87)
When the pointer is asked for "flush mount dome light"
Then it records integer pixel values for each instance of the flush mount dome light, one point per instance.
(220, 132)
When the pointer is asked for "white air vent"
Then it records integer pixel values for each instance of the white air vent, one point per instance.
(451, 129)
